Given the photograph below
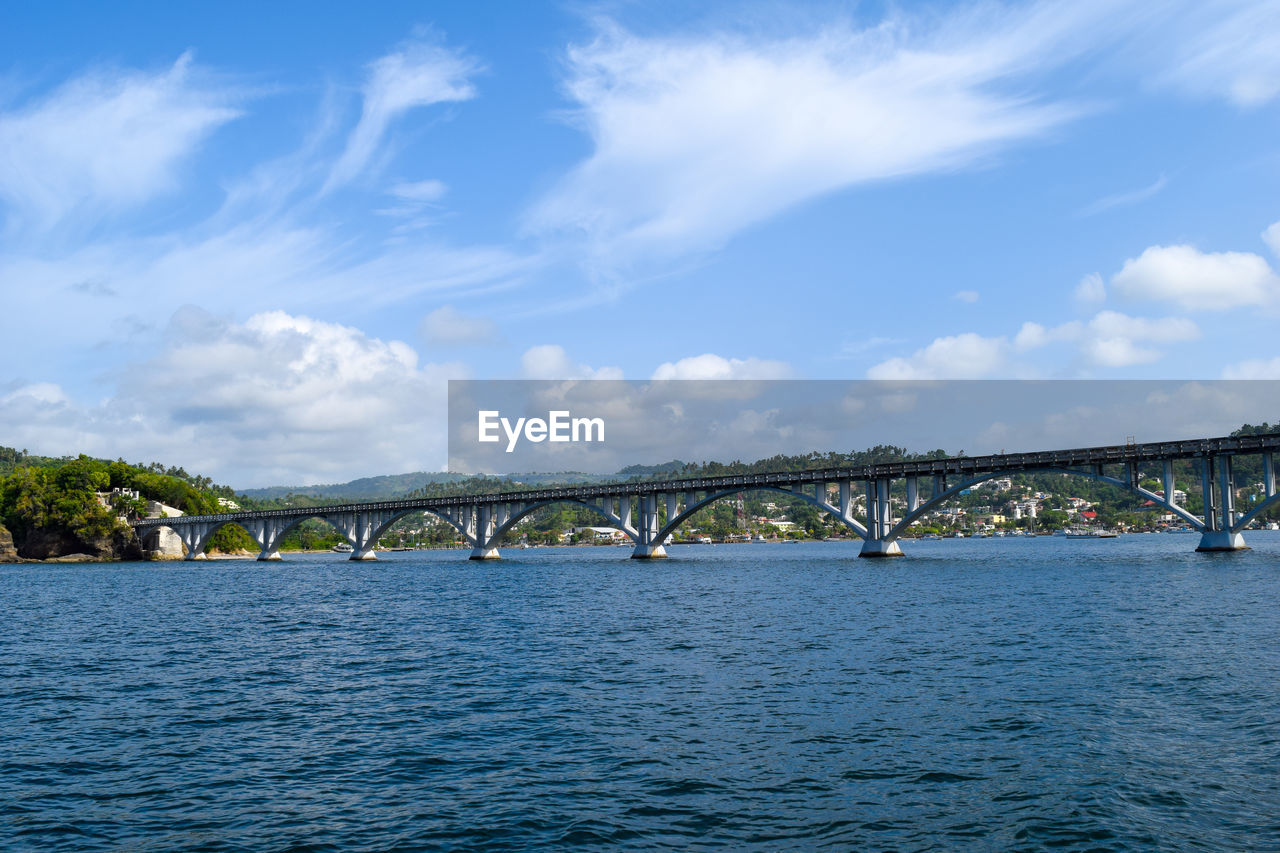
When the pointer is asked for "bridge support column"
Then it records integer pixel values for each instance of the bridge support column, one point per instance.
(648, 545)
(476, 523)
(879, 523)
(483, 522)
(268, 532)
(195, 537)
(362, 528)
(1218, 484)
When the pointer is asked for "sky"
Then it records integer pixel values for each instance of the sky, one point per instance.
(258, 241)
(651, 422)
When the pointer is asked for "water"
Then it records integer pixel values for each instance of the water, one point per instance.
(994, 694)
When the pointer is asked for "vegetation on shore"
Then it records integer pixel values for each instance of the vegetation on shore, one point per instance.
(51, 507)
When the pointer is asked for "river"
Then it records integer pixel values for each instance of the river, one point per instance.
(977, 694)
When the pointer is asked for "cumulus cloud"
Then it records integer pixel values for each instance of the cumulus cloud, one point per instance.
(1110, 339)
(1091, 289)
(966, 296)
(1197, 281)
(965, 356)
(105, 141)
(448, 327)
(1272, 238)
(550, 361)
(696, 138)
(417, 76)
(1257, 368)
(712, 366)
(1113, 339)
(278, 399)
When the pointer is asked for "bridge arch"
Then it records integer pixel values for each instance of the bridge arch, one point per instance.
(712, 497)
(195, 537)
(935, 500)
(618, 521)
(1246, 518)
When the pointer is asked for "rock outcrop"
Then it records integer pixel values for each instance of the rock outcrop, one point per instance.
(8, 553)
(54, 544)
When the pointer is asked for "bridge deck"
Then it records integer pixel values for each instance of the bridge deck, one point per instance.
(954, 465)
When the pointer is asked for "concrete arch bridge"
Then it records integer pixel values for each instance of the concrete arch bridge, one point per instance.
(649, 512)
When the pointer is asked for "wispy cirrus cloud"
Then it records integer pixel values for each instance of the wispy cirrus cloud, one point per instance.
(1124, 199)
(418, 75)
(105, 141)
(1222, 48)
(696, 138)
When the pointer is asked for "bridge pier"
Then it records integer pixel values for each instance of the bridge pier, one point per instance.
(881, 548)
(362, 528)
(1221, 540)
(196, 537)
(1219, 488)
(268, 532)
(648, 541)
(880, 541)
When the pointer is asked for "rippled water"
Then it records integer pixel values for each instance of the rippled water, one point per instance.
(994, 694)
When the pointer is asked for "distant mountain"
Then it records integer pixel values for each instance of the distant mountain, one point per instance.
(391, 486)
(675, 466)
(385, 487)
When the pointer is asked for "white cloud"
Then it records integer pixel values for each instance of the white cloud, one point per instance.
(1031, 336)
(45, 393)
(1225, 49)
(1091, 289)
(448, 327)
(1256, 368)
(277, 399)
(1110, 339)
(1272, 238)
(1197, 281)
(550, 361)
(698, 138)
(420, 191)
(1113, 324)
(257, 263)
(712, 366)
(417, 76)
(966, 296)
(965, 356)
(104, 142)
(1125, 199)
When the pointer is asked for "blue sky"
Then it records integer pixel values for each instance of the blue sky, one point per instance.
(257, 242)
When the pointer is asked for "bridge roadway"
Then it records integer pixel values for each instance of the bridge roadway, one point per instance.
(483, 519)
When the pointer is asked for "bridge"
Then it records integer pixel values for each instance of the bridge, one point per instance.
(650, 512)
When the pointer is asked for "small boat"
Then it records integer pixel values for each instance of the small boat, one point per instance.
(343, 548)
(1089, 533)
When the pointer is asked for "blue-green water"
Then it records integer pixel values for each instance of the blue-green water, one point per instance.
(993, 694)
